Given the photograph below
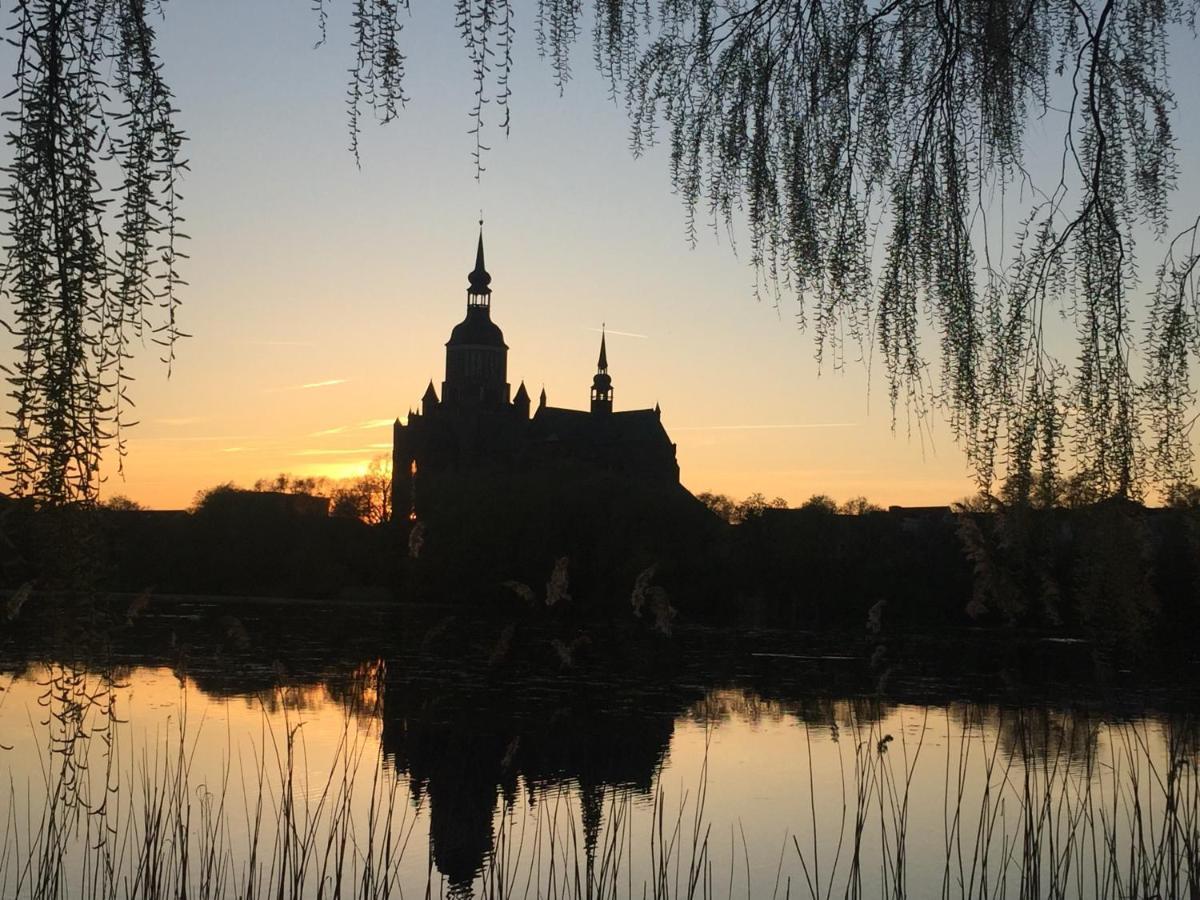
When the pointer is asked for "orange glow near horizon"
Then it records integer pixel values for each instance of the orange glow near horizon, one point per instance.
(775, 428)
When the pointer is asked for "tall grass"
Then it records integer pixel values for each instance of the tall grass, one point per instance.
(1030, 810)
(132, 822)
(958, 802)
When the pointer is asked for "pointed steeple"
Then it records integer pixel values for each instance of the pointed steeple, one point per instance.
(521, 401)
(429, 401)
(479, 278)
(602, 363)
(602, 392)
(542, 398)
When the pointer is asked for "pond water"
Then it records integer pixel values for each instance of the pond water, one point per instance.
(297, 751)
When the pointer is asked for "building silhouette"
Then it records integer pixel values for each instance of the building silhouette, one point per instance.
(476, 424)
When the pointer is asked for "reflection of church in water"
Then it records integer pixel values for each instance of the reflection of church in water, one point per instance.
(466, 748)
(476, 424)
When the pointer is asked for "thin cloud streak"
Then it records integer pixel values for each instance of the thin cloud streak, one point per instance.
(304, 387)
(195, 439)
(349, 452)
(631, 334)
(765, 427)
(361, 426)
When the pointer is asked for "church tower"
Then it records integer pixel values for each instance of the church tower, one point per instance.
(476, 355)
(602, 390)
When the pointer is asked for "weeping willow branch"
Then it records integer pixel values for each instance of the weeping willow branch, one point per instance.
(825, 125)
(92, 233)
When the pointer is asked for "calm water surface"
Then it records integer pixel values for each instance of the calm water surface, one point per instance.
(445, 757)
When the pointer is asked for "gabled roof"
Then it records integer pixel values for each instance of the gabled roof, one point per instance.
(634, 425)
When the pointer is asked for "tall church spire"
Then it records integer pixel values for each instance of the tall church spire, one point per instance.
(476, 355)
(479, 278)
(602, 391)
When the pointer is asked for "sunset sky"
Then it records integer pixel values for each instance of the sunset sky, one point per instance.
(320, 294)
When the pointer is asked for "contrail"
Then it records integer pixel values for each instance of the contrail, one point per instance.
(303, 387)
(764, 427)
(348, 452)
(619, 333)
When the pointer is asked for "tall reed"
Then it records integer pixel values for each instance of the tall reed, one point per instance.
(1033, 804)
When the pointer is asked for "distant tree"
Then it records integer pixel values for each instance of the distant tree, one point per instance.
(826, 123)
(720, 504)
(1083, 489)
(858, 506)
(820, 503)
(284, 483)
(208, 496)
(754, 505)
(981, 502)
(122, 503)
(367, 497)
(737, 511)
(1038, 490)
(1184, 496)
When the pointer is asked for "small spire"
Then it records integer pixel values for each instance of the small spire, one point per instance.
(479, 278)
(602, 363)
(542, 397)
(657, 409)
(430, 393)
(522, 394)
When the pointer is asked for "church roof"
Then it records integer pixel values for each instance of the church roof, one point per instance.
(477, 328)
(552, 423)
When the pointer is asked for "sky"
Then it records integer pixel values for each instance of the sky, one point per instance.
(320, 293)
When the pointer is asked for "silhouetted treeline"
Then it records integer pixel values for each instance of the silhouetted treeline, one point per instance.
(579, 544)
(241, 543)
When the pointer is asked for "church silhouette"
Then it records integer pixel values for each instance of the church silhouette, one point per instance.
(477, 426)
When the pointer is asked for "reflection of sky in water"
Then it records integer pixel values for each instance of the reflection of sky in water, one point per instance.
(767, 771)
